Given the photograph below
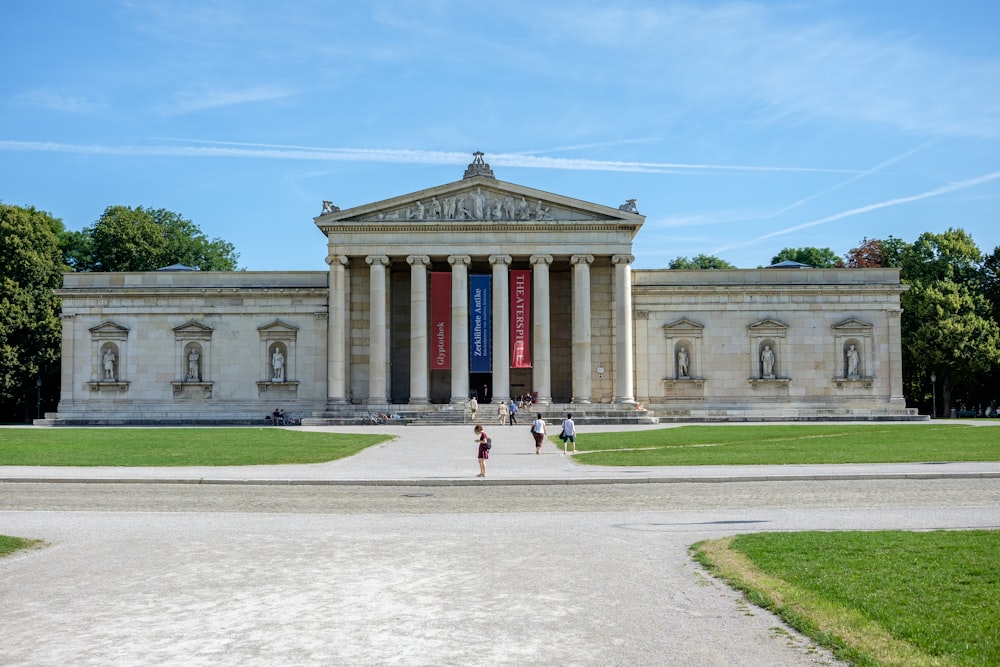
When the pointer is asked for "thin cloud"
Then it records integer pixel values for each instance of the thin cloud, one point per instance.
(387, 155)
(857, 177)
(954, 186)
(194, 101)
(58, 101)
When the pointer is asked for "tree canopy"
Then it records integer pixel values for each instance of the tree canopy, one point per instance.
(140, 239)
(876, 253)
(818, 258)
(31, 268)
(700, 262)
(948, 323)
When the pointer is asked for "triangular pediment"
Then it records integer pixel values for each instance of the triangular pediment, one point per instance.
(683, 325)
(109, 330)
(192, 329)
(852, 324)
(480, 199)
(768, 325)
(278, 326)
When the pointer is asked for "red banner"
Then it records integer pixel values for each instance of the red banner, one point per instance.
(520, 319)
(439, 334)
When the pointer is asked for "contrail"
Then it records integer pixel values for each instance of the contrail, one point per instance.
(284, 152)
(857, 177)
(943, 190)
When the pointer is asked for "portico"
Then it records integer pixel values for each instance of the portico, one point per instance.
(542, 256)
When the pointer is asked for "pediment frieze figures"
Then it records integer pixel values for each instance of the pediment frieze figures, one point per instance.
(477, 204)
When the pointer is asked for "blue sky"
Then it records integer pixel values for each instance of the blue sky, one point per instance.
(740, 127)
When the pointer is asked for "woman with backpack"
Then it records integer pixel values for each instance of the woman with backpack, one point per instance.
(485, 443)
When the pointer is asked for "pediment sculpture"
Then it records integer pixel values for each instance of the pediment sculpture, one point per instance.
(480, 204)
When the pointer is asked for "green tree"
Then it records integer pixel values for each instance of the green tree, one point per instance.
(31, 268)
(138, 239)
(818, 258)
(952, 255)
(700, 262)
(947, 324)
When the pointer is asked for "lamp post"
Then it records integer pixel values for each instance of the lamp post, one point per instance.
(38, 399)
(933, 396)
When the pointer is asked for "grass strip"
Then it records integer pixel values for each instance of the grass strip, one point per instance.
(791, 444)
(874, 598)
(136, 447)
(9, 545)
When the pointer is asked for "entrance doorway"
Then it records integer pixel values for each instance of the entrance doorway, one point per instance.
(481, 386)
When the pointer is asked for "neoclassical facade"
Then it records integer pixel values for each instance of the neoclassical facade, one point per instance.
(487, 288)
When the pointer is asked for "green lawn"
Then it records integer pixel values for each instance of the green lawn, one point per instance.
(176, 446)
(875, 598)
(766, 444)
(9, 545)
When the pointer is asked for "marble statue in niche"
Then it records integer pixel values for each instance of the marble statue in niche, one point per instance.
(278, 365)
(767, 363)
(108, 361)
(852, 363)
(682, 363)
(193, 366)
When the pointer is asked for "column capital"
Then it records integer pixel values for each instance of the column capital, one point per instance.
(541, 259)
(336, 259)
(377, 259)
(622, 259)
(581, 259)
(501, 259)
(459, 260)
(418, 260)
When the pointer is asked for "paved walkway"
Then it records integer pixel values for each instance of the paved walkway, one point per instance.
(252, 582)
(446, 455)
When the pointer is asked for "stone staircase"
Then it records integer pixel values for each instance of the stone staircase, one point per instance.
(451, 415)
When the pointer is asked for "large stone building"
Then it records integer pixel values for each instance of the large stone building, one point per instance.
(487, 288)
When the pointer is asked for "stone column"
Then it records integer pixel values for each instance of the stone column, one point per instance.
(336, 331)
(624, 380)
(459, 328)
(378, 353)
(643, 358)
(67, 387)
(581, 328)
(419, 367)
(501, 327)
(896, 397)
(541, 339)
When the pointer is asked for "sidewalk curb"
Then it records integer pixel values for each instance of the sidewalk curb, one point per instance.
(820, 477)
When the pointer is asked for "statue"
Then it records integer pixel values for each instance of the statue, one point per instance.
(767, 362)
(682, 363)
(109, 365)
(328, 207)
(629, 206)
(193, 374)
(852, 362)
(278, 365)
(415, 213)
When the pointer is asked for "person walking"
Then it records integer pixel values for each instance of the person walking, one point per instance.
(484, 449)
(568, 432)
(473, 407)
(513, 412)
(538, 432)
(502, 413)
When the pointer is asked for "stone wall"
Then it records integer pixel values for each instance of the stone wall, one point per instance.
(192, 346)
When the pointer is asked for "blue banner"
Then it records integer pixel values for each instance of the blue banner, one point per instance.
(480, 324)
